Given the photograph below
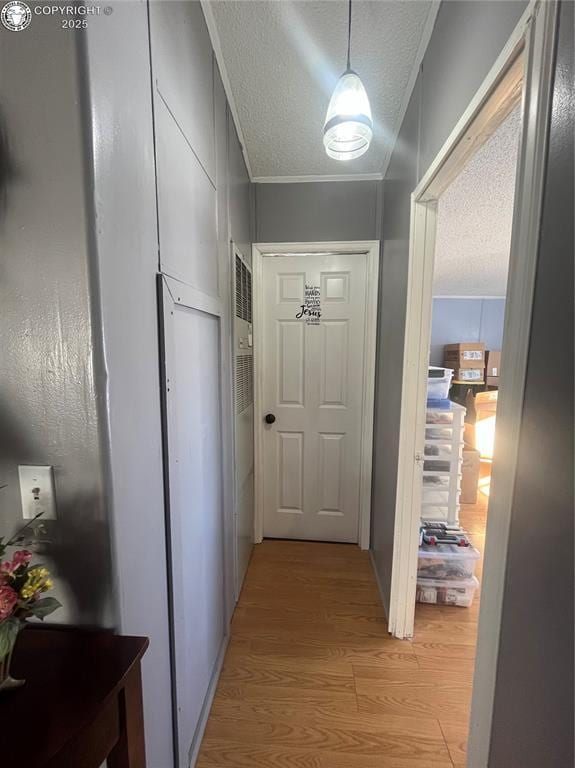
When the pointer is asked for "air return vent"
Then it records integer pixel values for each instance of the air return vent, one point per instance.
(243, 296)
(244, 382)
(239, 303)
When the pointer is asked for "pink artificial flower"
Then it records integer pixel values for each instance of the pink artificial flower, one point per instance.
(8, 599)
(20, 558)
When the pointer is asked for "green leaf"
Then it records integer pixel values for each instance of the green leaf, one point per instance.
(8, 633)
(44, 607)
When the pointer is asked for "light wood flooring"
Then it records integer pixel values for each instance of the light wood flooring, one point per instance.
(312, 679)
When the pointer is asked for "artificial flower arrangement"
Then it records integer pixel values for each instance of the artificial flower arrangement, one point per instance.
(22, 586)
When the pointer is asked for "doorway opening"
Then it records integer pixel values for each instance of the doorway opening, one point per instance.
(315, 312)
(473, 238)
(473, 242)
(519, 83)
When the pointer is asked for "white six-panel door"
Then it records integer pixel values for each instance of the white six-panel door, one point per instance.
(313, 371)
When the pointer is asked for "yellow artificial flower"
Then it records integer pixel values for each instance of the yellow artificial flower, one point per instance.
(38, 580)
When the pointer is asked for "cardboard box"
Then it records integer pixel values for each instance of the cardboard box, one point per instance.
(486, 404)
(469, 476)
(492, 381)
(469, 375)
(493, 362)
(464, 355)
(469, 436)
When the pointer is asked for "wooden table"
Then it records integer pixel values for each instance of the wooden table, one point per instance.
(81, 704)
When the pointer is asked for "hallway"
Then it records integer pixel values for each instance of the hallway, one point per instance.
(312, 679)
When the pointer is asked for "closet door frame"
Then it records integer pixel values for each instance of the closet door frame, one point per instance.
(173, 293)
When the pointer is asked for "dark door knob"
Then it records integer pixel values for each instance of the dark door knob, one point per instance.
(270, 418)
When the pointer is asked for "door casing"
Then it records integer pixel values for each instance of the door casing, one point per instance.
(369, 248)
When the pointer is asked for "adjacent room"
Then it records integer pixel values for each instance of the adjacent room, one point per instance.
(473, 243)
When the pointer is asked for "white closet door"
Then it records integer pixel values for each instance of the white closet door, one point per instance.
(195, 510)
(313, 385)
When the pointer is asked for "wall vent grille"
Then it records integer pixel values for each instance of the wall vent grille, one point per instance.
(244, 382)
(243, 294)
(239, 302)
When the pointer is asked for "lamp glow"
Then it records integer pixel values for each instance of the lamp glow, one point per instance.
(348, 127)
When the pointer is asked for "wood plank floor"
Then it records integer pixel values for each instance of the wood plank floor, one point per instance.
(312, 679)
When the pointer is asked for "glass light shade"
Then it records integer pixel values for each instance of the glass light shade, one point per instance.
(348, 127)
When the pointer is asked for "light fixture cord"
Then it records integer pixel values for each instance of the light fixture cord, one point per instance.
(349, 37)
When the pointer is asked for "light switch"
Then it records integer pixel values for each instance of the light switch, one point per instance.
(37, 492)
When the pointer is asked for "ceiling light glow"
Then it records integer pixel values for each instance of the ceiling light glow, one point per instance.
(348, 127)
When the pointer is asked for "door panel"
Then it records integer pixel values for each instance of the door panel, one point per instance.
(290, 472)
(195, 512)
(291, 362)
(331, 467)
(313, 384)
(334, 354)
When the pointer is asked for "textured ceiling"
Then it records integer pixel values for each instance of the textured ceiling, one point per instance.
(283, 59)
(474, 220)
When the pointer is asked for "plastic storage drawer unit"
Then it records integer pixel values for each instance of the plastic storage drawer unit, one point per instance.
(439, 450)
(442, 460)
(439, 416)
(460, 593)
(438, 433)
(446, 562)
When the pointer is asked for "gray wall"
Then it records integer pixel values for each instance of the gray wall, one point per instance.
(203, 194)
(317, 211)
(456, 320)
(119, 132)
(400, 181)
(49, 406)
(467, 38)
(240, 192)
(79, 244)
(533, 712)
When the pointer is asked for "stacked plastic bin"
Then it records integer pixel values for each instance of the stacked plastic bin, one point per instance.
(442, 461)
(446, 574)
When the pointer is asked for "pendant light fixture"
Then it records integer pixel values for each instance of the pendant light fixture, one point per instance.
(348, 126)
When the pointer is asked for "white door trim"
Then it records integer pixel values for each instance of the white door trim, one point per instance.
(371, 249)
(534, 38)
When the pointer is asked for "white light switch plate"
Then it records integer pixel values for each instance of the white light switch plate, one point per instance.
(37, 492)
